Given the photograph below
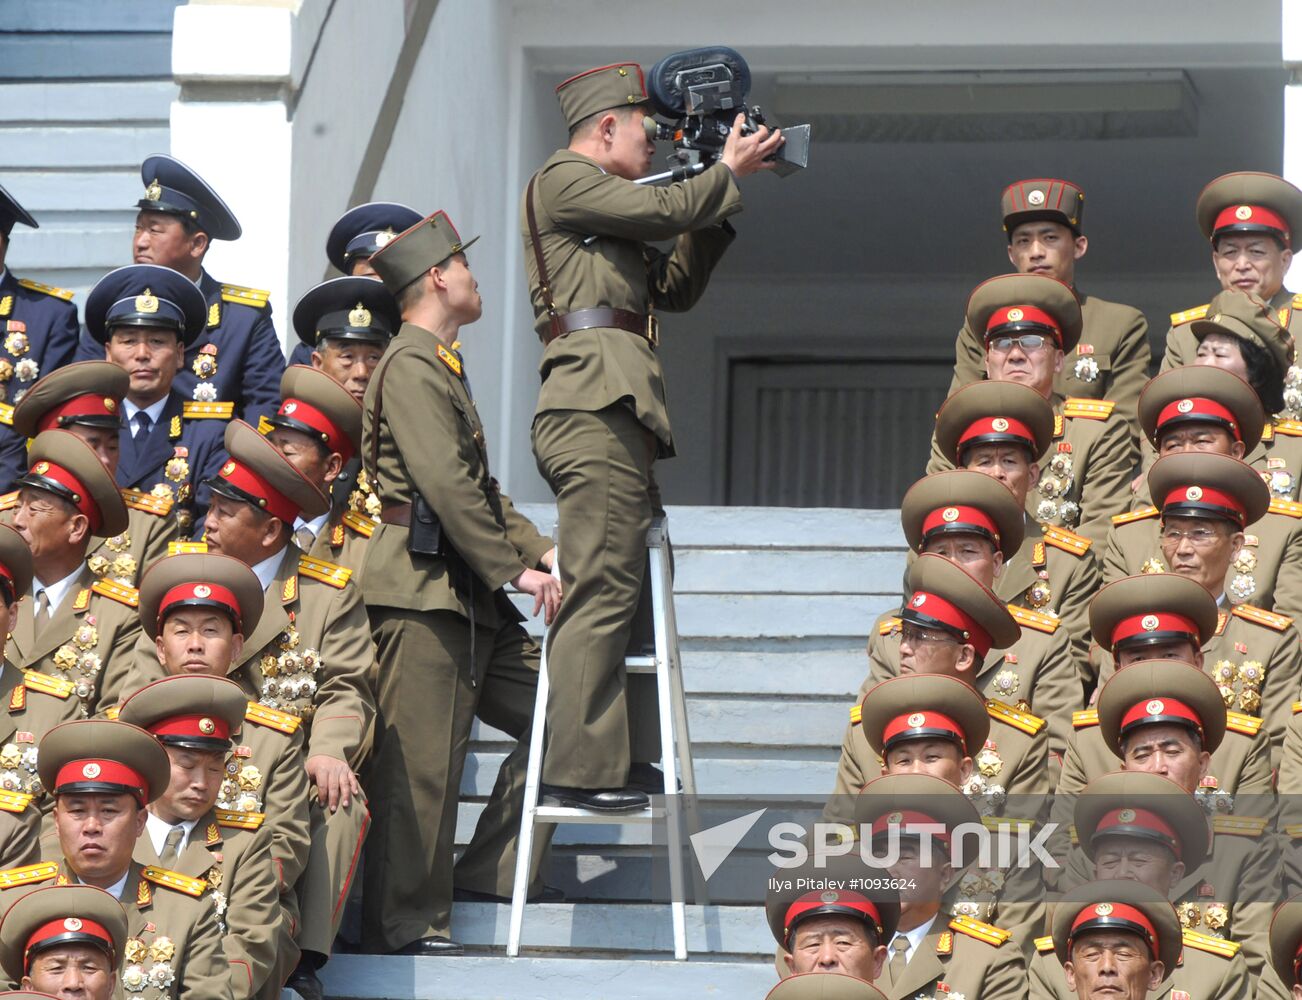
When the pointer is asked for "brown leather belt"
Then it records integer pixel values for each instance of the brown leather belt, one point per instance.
(396, 513)
(647, 327)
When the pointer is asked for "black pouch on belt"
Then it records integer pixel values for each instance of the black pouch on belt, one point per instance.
(425, 533)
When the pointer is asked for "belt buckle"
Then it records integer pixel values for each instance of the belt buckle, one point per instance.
(653, 330)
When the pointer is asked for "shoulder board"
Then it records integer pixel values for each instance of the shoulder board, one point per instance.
(1085, 718)
(9, 501)
(34, 680)
(988, 933)
(1214, 945)
(326, 572)
(856, 714)
(1297, 301)
(265, 426)
(186, 548)
(1044, 944)
(1289, 508)
(450, 359)
(14, 802)
(192, 409)
(175, 880)
(996, 823)
(117, 591)
(1189, 315)
(150, 504)
(1297, 707)
(1242, 826)
(1143, 514)
(1037, 620)
(1025, 721)
(36, 286)
(272, 718)
(6, 414)
(1248, 725)
(26, 875)
(1294, 831)
(360, 523)
(255, 297)
(1068, 541)
(239, 820)
(1088, 409)
(1292, 428)
(888, 626)
(112, 712)
(1260, 616)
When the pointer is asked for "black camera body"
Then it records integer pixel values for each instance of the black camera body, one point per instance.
(701, 91)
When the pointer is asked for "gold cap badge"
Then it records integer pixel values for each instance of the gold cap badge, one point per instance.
(154, 192)
(146, 303)
(207, 726)
(1148, 623)
(949, 515)
(1243, 213)
(1103, 909)
(360, 316)
(1155, 707)
(1014, 315)
(1193, 493)
(916, 719)
(999, 424)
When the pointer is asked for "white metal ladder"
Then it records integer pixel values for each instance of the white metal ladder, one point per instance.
(675, 753)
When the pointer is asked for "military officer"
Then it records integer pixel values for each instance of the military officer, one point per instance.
(1043, 222)
(64, 940)
(74, 638)
(450, 645)
(235, 360)
(833, 986)
(85, 398)
(195, 718)
(601, 420)
(144, 316)
(102, 775)
(1286, 947)
(1115, 936)
(32, 713)
(39, 323)
(1001, 429)
(1144, 827)
(1029, 322)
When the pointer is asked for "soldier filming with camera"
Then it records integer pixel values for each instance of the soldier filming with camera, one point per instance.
(601, 420)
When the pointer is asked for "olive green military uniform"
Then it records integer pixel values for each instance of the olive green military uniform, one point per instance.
(231, 854)
(1290, 802)
(1110, 362)
(36, 703)
(1182, 345)
(960, 956)
(174, 948)
(343, 541)
(444, 654)
(1278, 457)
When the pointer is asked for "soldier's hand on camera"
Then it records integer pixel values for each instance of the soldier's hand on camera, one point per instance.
(545, 589)
(334, 779)
(746, 154)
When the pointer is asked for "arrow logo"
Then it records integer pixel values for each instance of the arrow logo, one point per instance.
(713, 846)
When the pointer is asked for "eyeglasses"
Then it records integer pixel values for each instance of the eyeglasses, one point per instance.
(915, 636)
(1028, 342)
(1200, 538)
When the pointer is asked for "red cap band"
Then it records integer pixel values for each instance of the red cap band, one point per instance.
(1099, 916)
(246, 479)
(1197, 408)
(829, 901)
(1207, 496)
(101, 772)
(1118, 821)
(1139, 626)
(904, 726)
(939, 609)
(306, 413)
(184, 592)
(63, 926)
(1239, 216)
(82, 499)
(86, 405)
(1017, 315)
(960, 517)
(1160, 710)
(1000, 427)
(206, 727)
(906, 818)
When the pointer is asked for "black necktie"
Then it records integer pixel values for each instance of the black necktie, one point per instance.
(142, 427)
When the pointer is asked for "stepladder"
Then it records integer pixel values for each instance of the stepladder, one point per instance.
(675, 811)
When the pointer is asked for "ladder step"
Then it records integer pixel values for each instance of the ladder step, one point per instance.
(571, 814)
(642, 663)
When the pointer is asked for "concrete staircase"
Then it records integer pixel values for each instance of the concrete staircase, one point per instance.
(774, 607)
(85, 93)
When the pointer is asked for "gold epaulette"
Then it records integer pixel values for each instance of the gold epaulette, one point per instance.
(272, 718)
(1143, 514)
(27, 874)
(1189, 315)
(1044, 944)
(1037, 620)
(150, 504)
(34, 680)
(169, 879)
(1085, 718)
(1025, 721)
(1297, 707)
(36, 286)
(6, 414)
(112, 712)
(1248, 725)
(996, 823)
(1242, 826)
(1068, 541)
(988, 933)
(888, 626)
(856, 714)
(1214, 945)
(186, 548)
(14, 802)
(265, 426)
(119, 592)
(326, 572)
(1291, 428)
(1297, 301)
(1294, 831)
(360, 523)
(255, 297)
(239, 820)
(192, 409)
(9, 501)
(1260, 616)
(1088, 409)
(1289, 508)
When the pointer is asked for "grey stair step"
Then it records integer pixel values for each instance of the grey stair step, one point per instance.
(24, 147)
(49, 194)
(787, 571)
(102, 101)
(769, 666)
(59, 56)
(371, 977)
(79, 16)
(89, 245)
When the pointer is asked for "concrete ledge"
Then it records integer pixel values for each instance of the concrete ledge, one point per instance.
(221, 43)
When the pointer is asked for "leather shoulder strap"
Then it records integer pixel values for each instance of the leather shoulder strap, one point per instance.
(544, 281)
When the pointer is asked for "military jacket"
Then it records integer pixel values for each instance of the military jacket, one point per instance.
(1290, 801)
(354, 516)
(425, 398)
(174, 944)
(38, 327)
(35, 703)
(961, 957)
(231, 854)
(1209, 969)
(575, 201)
(301, 354)
(1182, 345)
(1110, 362)
(1277, 457)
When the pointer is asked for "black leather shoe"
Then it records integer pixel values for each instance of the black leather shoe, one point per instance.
(305, 983)
(549, 894)
(431, 947)
(648, 778)
(607, 800)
